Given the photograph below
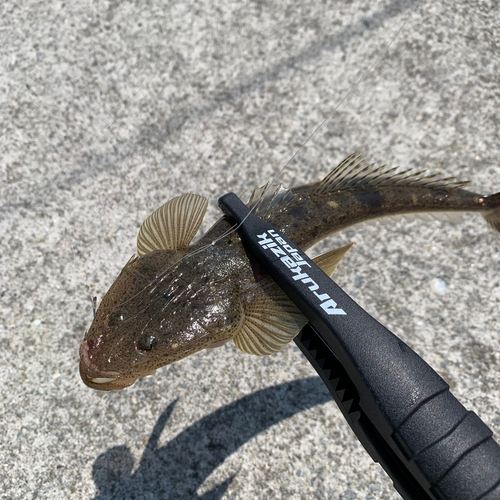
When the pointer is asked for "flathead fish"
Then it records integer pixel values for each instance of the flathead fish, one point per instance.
(176, 298)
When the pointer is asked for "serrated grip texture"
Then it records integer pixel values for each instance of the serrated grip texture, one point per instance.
(453, 449)
(399, 407)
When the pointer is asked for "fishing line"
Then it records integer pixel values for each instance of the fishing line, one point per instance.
(272, 184)
(353, 88)
(418, 139)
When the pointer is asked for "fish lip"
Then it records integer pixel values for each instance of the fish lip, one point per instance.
(91, 369)
(89, 372)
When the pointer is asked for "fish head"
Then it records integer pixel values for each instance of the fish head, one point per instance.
(160, 309)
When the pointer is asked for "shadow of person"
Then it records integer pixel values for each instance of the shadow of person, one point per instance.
(178, 469)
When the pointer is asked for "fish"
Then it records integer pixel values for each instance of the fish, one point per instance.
(175, 297)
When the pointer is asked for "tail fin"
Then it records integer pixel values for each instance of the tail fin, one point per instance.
(492, 215)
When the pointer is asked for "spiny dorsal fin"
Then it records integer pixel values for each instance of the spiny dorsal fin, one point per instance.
(172, 226)
(354, 172)
(269, 199)
(271, 319)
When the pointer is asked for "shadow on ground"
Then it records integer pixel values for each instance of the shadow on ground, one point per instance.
(178, 469)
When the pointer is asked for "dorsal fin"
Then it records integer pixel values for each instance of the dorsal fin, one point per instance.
(271, 319)
(354, 172)
(269, 199)
(172, 226)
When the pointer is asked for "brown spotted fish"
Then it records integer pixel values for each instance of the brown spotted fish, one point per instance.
(174, 299)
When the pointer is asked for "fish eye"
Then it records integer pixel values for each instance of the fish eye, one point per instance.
(146, 343)
(116, 318)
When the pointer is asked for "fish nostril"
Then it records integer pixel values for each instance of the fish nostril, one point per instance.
(88, 345)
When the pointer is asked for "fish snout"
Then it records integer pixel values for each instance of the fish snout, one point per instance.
(98, 379)
(90, 368)
(103, 380)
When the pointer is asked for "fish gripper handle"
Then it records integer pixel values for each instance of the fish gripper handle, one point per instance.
(400, 409)
(451, 447)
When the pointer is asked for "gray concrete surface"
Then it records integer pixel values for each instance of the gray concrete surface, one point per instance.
(108, 109)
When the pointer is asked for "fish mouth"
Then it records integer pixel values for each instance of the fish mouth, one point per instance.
(101, 380)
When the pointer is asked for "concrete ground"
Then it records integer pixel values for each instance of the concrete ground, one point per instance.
(108, 109)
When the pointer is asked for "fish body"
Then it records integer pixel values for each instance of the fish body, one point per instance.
(176, 298)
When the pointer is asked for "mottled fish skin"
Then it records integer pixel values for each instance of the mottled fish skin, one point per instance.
(169, 303)
(148, 302)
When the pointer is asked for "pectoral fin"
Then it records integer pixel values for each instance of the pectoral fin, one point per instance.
(172, 226)
(271, 319)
